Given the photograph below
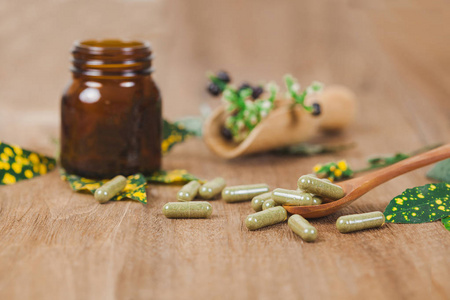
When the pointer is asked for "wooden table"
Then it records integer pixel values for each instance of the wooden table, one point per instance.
(57, 244)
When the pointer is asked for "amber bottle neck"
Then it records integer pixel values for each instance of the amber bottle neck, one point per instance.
(112, 58)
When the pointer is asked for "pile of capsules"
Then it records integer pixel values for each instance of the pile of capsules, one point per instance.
(269, 204)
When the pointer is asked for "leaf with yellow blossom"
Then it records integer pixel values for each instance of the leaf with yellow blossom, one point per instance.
(18, 164)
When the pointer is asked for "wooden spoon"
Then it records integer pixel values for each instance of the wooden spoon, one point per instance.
(355, 188)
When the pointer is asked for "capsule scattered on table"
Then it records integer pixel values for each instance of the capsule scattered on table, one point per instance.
(292, 198)
(212, 188)
(320, 187)
(357, 222)
(257, 201)
(266, 217)
(110, 189)
(302, 228)
(269, 204)
(243, 192)
(188, 191)
(187, 210)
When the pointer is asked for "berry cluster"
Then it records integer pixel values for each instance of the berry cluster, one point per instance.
(221, 79)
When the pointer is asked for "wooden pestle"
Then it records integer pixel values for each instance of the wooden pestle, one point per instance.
(284, 125)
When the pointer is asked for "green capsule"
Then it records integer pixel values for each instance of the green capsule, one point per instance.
(266, 217)
(257, 201)
(243, 192)
(269, 204)
(291, 198)
(110, 189)
(187, 210)
(302, 228)
(188, 191)
(316, 200)
(319, 187)
(357, 222)
(212, 188)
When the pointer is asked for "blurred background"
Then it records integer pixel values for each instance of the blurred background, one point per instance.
(397, 50)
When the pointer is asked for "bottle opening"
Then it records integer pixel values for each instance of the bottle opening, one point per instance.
(111, 57)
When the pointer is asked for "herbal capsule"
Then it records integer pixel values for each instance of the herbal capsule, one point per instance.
(243, 192)
(257, 201)
(360, 221)
(188, 191)
(316, 200)
(302, 228)
(189, 209)
(269, 204)
(319, 187)
(110, 189)
(289, 197)
(266, 217)
(212, 188)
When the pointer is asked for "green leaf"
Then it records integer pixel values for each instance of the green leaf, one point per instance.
(446, 222)
(134, 190)
(440, 171)
(173, 134)
(421, 204)
(18, 164)
(174, 176)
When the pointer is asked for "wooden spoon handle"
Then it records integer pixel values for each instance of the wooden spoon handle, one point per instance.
(378, 177)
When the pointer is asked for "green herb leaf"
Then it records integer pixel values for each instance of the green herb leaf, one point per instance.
(18, 164)
(134, 190)
(173, 133)
(440, 171)
(174, 176)
(446, 222)
(421, 204)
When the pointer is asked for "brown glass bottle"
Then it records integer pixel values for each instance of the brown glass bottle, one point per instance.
(111, 111)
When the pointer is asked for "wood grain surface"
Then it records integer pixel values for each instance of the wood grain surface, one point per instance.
(57, 244)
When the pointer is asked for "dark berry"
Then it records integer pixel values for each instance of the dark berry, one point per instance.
(226, 133)
(316, 109)
(245, 85)
(223, 76)
(214, 89)
(257, 91)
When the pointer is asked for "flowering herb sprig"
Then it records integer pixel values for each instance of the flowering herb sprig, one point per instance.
(247, 107)
(333, 171)
(246, 114)
(341, 170)
(299, 97)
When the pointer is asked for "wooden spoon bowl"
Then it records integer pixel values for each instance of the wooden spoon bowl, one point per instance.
(355, 188)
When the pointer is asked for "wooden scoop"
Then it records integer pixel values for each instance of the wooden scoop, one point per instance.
(355, 188)
(284, 126)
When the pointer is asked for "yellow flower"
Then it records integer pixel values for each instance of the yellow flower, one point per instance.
(33, 158)
(9, 179)
(17, 167)
(42, 169)
(342, 165)
(8, 152)
(18, 150)
(4, 157)
(28, 174)
(5, 165)
(337, 173)
(331, 179)
(332, 168)
(317, 168)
